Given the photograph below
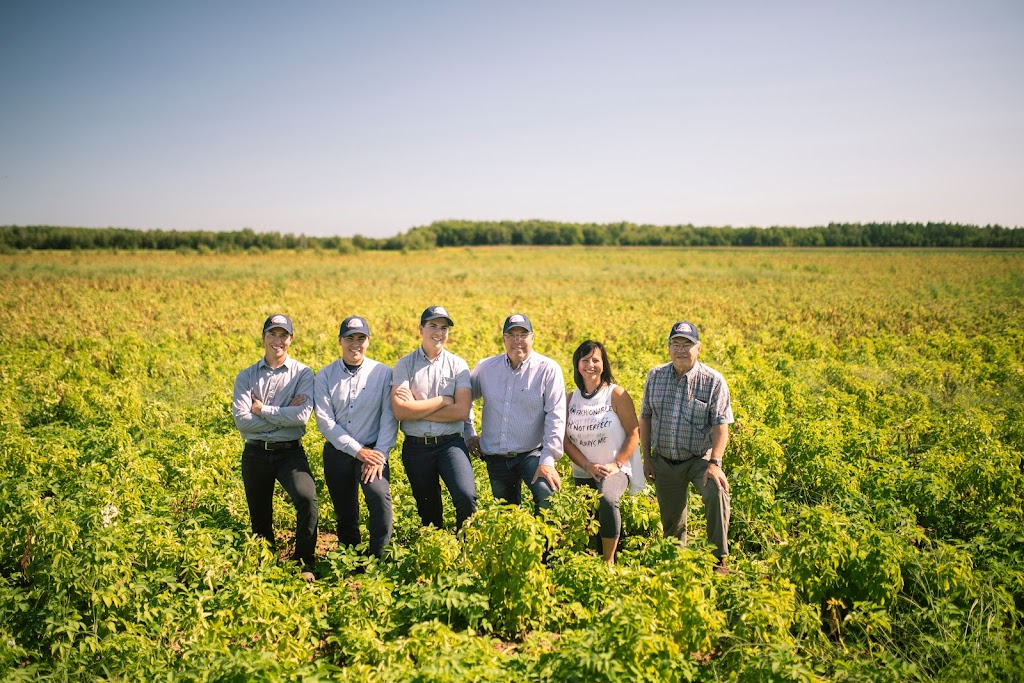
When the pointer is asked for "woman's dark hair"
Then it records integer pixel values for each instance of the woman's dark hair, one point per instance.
(583, 350)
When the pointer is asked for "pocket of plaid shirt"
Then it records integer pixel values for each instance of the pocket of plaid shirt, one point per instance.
(696, 413)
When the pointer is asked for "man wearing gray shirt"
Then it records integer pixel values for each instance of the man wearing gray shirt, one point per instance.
(272, 402)
(352, 398)
(523, 421)
(431, 396)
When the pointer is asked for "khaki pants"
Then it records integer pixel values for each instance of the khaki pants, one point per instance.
(672, 486)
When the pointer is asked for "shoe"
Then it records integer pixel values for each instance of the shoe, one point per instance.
(721, 568)
(308, 576)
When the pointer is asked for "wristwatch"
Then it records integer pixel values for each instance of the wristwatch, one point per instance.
(715, 461)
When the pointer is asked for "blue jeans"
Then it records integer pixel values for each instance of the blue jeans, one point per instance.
(508, 474)
(344, 478)
(425, 464)
(260, 469)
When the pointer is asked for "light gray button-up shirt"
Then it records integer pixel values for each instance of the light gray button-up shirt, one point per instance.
(354, 409)
(523, 408)
(428, 379)
(275, 388)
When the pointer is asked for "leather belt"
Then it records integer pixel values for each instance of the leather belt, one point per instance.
(365, 445)
(510, 455)
(274, 445)
(431, 440)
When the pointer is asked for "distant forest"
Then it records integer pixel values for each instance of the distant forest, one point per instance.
(460, 233)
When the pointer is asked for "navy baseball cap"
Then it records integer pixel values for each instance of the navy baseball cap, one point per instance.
(686, 330)
(278, 320)
(516, 320)
(435, 312)
(354, 324)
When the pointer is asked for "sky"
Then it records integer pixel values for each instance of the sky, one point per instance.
(344, 118)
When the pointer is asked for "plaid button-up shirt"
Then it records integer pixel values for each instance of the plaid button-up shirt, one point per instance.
(682, 410)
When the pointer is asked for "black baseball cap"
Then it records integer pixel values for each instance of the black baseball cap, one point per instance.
(684, 329)
(354, 324)
(278, 320)
(516, 320)
(435, 312)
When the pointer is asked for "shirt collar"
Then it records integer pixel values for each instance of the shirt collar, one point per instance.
(286, 364)
(423, 355)
(523, 365)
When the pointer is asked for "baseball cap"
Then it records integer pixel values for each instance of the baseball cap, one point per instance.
(354, 324)
(686, 330)
(435, 312)
(516, 320)
(278, 320)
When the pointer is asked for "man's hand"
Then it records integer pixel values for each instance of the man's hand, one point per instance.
(649, 469)
(372, 472)
(550, 475)
(404, 394)
(715, 473)
(370, 457)
(473, 446)
(298, 400)
(257, 407)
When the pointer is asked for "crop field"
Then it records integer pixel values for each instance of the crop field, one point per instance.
(875, 468)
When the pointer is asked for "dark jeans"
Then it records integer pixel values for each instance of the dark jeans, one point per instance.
(508, 474)
(260, 469)
(611, 490)
(424, 463)
(343, 475)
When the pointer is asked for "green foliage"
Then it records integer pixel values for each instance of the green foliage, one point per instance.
(505, 545)
(875, 469)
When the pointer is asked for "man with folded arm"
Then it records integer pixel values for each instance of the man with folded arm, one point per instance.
(272, 402)
(431, 396)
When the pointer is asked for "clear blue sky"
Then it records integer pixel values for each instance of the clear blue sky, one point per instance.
(337, 118)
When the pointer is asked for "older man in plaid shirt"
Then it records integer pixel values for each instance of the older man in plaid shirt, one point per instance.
(684, 428)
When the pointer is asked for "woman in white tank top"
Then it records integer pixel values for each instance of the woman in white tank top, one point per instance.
(602, 436)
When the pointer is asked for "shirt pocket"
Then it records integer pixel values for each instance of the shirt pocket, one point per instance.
(446, 386)
(696, 413)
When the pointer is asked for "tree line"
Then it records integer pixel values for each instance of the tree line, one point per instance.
(458, 233)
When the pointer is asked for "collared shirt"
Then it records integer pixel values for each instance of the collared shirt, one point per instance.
(682, 410)
(524, 408)
(353, 409)
(428, 379)
(276, 388)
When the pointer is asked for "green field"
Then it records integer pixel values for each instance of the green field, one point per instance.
(875, 467)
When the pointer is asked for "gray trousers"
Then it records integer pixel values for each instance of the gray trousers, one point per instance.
(672, 486)
(611, 490)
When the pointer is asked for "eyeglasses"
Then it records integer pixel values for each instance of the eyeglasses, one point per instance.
(681, 344)
(517, 336)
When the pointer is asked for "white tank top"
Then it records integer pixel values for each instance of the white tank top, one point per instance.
(595, 429)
